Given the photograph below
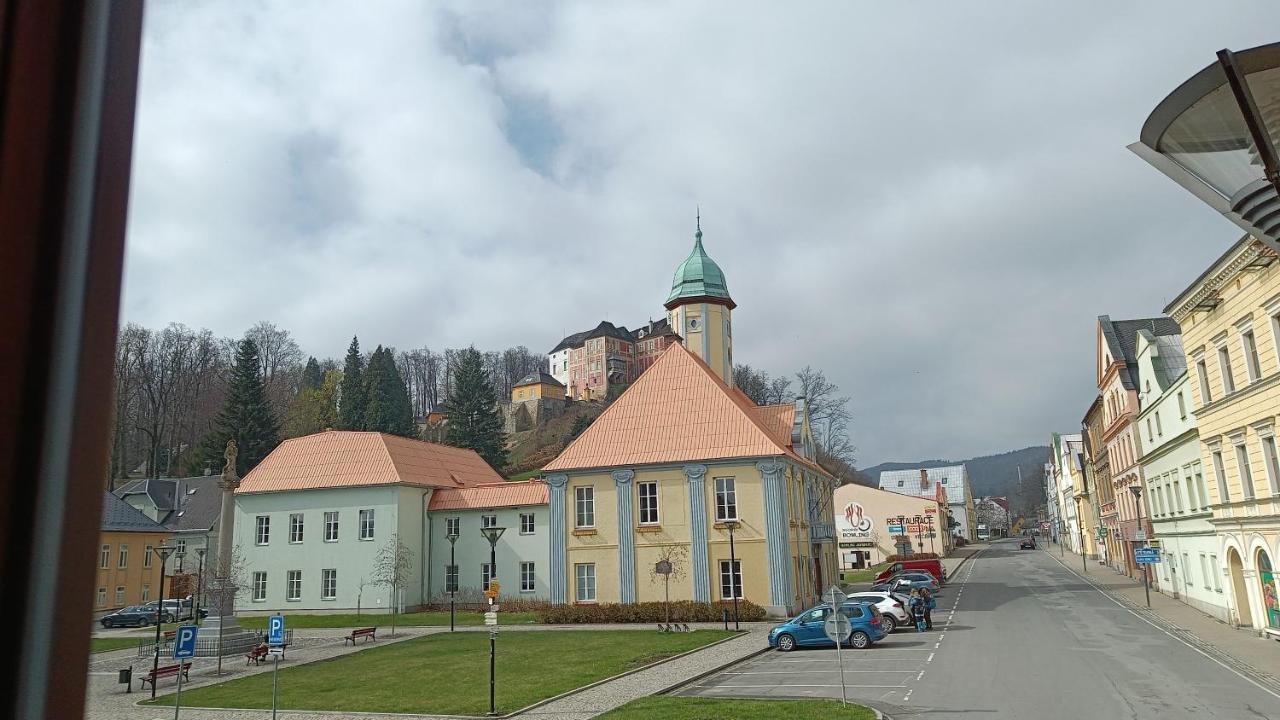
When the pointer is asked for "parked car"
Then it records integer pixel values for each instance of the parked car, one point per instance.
(1028, 543)
(132, 616)
(894, 609)
(929, 565)
(173, 610)
(907, 582)
(806, 629)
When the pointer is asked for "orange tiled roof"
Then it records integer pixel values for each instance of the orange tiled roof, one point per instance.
(677, 411)
(506, 494)
(778, 419)
(342, 458)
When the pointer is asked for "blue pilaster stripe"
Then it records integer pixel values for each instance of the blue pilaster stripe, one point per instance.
(696, 474)
(559, 531)
(775, 518)
(626, 537)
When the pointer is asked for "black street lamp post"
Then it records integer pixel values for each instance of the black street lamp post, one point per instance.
(492, 534)
(451, 576)
(735, 578)
(163, 551)
(200, 552)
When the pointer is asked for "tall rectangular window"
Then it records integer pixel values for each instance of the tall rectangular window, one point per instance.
(331, 526)
(181, 546)
(1150, 434)
(1182, 406)
(366, 524)
(526, 577)
(1187, 574)
(259, 586)
(293, 585)
(488, 521)
(102, 598)
(1273, 464)
(119, 595)
(731, 579)
(1200, 485)
(1154, 505)
(146, 593)
(1204, 570)
(1251, 364)
(124, 556)
(1224, 367)
(1202, 372)
(451, 578)
(452, 526)
(1159, 429)
(1217, 573)
(1220, 475)
(329, 584)
(263, 534)
(1246, 476)
(526, 523)
(486, 575)
(1168, 500)
(1192, 503)
(585, 582)
(648, 502)
(104, 559)
(584, 500)
(1177, 493)
(147, 552)
(295, 528)
(726, 499)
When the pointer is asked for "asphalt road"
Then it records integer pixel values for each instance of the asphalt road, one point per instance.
(1016, 636)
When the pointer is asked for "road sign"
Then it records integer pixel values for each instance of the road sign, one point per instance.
(184, 643)
(895, 529)
(491, 618)
(834, 596)
(275, 630)
(1140, 535)
(1146, 556)
(1044, 526)
(837, 627)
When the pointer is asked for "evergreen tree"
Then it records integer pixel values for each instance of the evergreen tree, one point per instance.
(312, 376)
(387, 406)
(246, 416)
(314, 410)
(472, 411)
(351, 401)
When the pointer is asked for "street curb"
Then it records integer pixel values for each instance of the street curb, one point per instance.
(1259, 677)
(689, 681)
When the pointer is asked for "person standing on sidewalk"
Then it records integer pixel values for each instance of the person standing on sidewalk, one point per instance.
(929, 604)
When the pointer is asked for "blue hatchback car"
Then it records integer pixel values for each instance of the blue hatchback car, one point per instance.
(805, 629)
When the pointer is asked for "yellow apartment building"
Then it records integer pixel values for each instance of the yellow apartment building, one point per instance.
(537, 386)
(128, 571)
(682, 462)
(1230, 318)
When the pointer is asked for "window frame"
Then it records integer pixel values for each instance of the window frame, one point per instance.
(650, 508)
(529, 527)
(451, 578)
(1270, 459)
(584, 507)
(729, 493)
(528, 576)
(262, 530)
(292, 581)
(332, 521)
(147, 552)
(101, 598)
(369, 522)
(1228, 380)
(487, 575)
(1202, 372)
(258, 586)
(104, 559)
(1243, 470)
(488, 521)
(297, 526)
(731, 570)
(1220, 475)
(123, 554)
(1249, 346)
(120, 596)
(329, 584)
(584, 578)
(452, 526)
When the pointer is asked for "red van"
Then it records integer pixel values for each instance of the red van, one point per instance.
(933, 567)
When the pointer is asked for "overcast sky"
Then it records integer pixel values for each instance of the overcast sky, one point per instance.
(930, 201)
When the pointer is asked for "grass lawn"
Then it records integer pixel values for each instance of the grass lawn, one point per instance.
(112, 643)
(867, 575)
(384, 621)
(690, 708)
(449, 673)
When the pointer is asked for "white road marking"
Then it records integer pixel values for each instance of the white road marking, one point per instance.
(810, 672)
(793, 685)
(930, 658)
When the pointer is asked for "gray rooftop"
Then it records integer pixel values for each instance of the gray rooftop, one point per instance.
(191, 503)
(120, 516)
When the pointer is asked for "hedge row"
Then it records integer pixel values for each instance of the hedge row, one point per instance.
(646, 612)
(913, 556)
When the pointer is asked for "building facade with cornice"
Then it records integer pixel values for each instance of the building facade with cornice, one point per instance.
(1230, 318)
(1097, 497)
(684, 467)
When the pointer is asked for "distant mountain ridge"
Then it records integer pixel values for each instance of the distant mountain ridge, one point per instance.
(991, 474)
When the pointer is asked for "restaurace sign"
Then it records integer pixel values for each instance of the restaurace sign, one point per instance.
(854, 522)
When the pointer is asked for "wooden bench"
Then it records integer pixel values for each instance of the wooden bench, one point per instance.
(166, 671)
(257, 655)
(366, 633)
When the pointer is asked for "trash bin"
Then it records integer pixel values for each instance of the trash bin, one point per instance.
(126, 678)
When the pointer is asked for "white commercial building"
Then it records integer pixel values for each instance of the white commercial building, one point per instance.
(953, 479)
(1065, 474)
(1175, 496)
(313, 516)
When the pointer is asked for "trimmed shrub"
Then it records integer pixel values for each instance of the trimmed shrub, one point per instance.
(912, 556)
(683, 611)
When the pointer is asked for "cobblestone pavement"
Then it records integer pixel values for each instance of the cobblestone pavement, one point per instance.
(106, 700)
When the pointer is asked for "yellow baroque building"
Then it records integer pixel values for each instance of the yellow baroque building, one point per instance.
(1230, 319)
(683, 462)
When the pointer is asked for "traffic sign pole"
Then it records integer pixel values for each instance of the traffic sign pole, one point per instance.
(840, 628)
(275, 638)
(184, 647)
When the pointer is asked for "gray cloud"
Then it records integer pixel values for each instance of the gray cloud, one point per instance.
(931, 202)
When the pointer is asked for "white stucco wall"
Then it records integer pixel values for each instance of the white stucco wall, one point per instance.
(472, 550)
(396, 509)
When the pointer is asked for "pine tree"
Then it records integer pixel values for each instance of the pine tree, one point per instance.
(246, 416)
(472, 411)
(387, 406)
(312, 376)
(351, 401)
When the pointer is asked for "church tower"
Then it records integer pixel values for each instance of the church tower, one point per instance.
(699, 309)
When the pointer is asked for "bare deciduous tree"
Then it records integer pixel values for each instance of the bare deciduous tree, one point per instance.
(676, 558)
(393, 567)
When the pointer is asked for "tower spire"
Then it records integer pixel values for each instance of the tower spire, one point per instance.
(698, 234)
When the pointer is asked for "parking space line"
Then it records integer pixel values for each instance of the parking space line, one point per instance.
(816, 672)
(793, 685)
(930, 658)
(921, 675)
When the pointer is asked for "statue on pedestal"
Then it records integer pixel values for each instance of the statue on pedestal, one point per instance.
(232, 638)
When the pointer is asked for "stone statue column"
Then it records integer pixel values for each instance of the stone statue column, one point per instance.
(221, 622)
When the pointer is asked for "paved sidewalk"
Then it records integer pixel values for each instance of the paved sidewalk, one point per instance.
(1240, 649)
(960, 556)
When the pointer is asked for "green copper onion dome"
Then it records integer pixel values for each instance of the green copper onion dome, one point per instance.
(699, 277)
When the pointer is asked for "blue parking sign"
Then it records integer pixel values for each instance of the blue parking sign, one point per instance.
(275, 630)
(184, 643)
(1146, 556)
